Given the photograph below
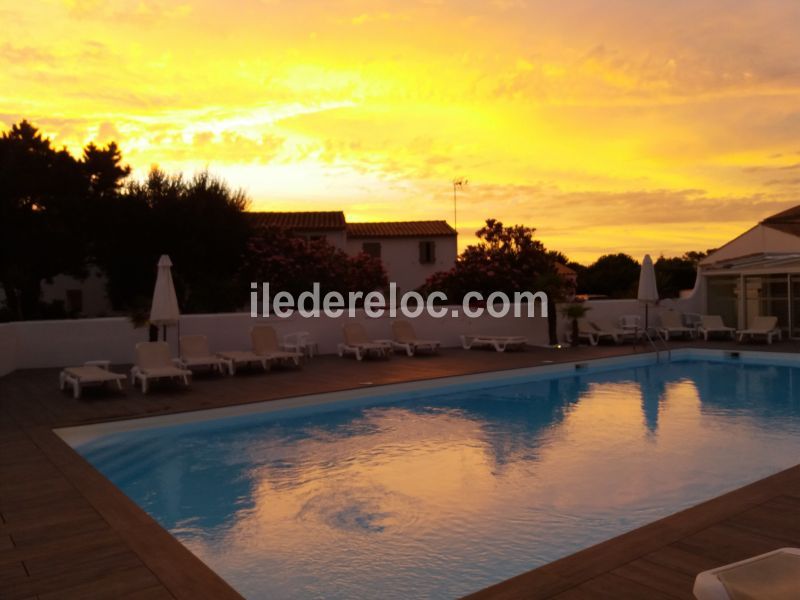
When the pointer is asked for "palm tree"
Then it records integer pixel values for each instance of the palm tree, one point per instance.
(575, 312)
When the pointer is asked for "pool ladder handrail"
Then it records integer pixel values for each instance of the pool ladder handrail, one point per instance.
(658, 337)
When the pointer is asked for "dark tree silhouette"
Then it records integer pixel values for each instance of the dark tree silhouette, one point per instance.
(199, 222)
(677, 273)
(45, 212)
(613, 275)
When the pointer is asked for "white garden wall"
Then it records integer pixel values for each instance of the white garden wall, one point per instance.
(613, 309)
(232, 331)
(41, 344)
(8, 348)
(74, 341)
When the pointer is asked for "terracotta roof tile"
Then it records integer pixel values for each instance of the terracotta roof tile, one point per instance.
(400, 229)
(316, 221)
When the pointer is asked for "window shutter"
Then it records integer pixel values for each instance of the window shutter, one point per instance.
(427, 252)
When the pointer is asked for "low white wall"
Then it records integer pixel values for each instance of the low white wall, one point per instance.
(613, 309)
(232, 331)
(74, 341)
(41, 344)
(8, 348)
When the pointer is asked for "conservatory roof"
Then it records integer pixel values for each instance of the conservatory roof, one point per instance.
(756, 264)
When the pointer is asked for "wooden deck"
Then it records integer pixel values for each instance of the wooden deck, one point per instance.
(67, 532)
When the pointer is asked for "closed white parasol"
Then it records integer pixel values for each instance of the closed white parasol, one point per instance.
(164, 310)
(648, 290)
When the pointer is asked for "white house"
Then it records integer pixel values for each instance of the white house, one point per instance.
(411, 251)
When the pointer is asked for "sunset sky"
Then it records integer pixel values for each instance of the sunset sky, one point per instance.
(609, 125)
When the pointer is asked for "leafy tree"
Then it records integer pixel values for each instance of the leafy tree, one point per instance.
(505, 259)
(695, 256)
(612, 275)
(45, 212)
(293, 264)
(104, 169)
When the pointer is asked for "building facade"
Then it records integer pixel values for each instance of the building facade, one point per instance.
(756, 273)
(411, 251)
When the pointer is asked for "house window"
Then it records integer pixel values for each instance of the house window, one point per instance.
(74, 301)
(723, 298)
(767, 295)
(372, 248)
(427, 252)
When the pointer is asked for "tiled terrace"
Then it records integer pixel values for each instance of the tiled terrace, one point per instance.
(66, 532)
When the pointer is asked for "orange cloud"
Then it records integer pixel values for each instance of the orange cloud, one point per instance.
(583, 120)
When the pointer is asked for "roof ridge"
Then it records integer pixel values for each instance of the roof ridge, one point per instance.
(294, 212)
(790, 215)
(392, 222)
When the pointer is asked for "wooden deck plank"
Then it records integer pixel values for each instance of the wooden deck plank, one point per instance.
(682, 560)
(123, 584)
(82, 541)
(610, 586)
(727, 543)
(659, 577)
(56, 525)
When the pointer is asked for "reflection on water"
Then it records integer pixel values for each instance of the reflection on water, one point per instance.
(440, 496)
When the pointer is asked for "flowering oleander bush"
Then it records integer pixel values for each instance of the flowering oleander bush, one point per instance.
(293, 264)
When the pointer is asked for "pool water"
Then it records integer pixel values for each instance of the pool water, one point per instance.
(441, 495)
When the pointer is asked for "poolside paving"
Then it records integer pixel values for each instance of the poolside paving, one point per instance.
(67, 532)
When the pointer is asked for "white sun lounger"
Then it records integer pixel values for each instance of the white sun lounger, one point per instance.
(234, 359)
(713, 324)
(89, 374)
(672, 324)
(405, 339)
(605, 328)
(586, 331)
(772, 576)
(154, 362)
(265, 343)
(499, 342)
(195, 353)
(766, 326)
(356, 342)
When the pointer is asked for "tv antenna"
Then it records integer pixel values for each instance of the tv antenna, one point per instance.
(458, 184)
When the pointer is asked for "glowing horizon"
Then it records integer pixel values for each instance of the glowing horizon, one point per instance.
(627, 127)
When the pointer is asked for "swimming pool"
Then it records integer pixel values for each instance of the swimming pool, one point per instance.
(443, 490)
